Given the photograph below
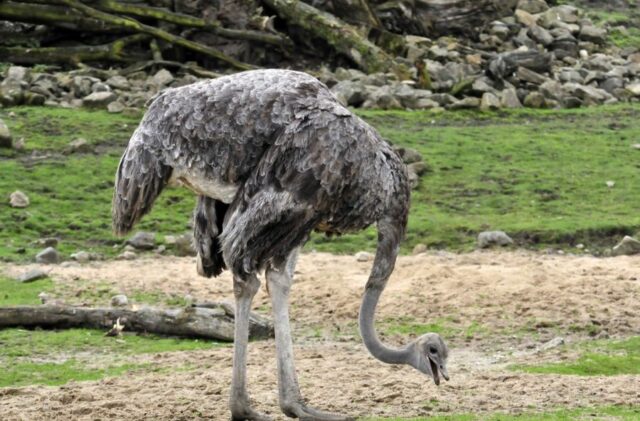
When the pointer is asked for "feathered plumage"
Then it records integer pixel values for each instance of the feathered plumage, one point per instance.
(277, 148)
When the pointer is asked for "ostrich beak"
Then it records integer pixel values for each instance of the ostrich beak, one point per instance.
(437, 370)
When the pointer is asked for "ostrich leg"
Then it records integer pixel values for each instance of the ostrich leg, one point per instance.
(240, 406)
(279, 280)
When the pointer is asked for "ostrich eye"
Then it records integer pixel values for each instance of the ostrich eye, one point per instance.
(432, 349)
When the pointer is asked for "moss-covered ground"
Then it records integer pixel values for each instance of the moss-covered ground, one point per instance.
(541, 176)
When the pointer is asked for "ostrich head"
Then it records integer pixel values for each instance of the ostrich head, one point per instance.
(429, 354)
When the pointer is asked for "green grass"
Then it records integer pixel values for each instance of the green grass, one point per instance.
(611, 413)
(603, 358)
(14, 293)
(538, 174)
(16, 374)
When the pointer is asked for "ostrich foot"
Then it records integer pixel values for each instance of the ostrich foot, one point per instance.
(307, 413)
(246, 413)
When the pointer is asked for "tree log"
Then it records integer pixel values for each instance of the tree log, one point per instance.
(193, 22)
(72, 55)
(344, 38)
(211, 322)
(58, 16)
(134, 25)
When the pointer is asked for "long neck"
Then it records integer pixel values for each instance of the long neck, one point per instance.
(388, 244)
(375, 346)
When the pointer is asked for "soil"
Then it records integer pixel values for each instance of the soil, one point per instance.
(515, 300)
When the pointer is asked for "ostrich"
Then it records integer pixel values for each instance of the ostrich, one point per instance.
(272, 156)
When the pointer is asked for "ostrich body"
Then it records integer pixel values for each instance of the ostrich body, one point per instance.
(272, 156)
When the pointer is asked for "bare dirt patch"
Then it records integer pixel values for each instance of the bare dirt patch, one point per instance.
(518, 298)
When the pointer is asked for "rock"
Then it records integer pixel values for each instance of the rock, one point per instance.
(493, 238)
(99, 99)
(593, 34)
(505, 64)
(467, 103)
(80, 145)
(570, 75)
(636, 146)
(119, 300)
(530, 76)
(118, 82)
(363, 256)
(162, 78)
(489, 102)
(634, 89)
(32, 275)
(183, 245)
(419, 168)
(540, 35)
(100, 87)
(5, 136)
(419, 248)
(142, 240)
(383, 98)
(48, 256)
(533, 6)
(18, 199)
(46, 242)
(509, 99)
(525, 18)
(588, 94)
(115, 107)
(562, 14)
(81, 257)
(350, 93)
(127, 255)
(19, 74)
(500, 30)
(553, 343)
(535, 100)
(627, 247)
(408, 155)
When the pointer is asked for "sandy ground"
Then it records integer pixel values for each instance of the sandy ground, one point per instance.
(525, 298)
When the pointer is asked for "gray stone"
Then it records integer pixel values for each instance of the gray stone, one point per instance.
(419, 168)
(533, 6)
(6, 140)
(349, 92)
(489, 102)
(18, 199)
(348, 74)
(81, 85)
(500, 30)
(46, 242)
(99, 99)
(593, 34)
(588, 94)
(540, 35)
(627, 247)
(118, 82)
(530, 76)
(525, 18)
(81, 257)
(80, 145)
(115, 107)
(363, 256)
(408, 155)
(19, 74)
(562, 14)
(162, 78)
(468, 103)
(383, 98)
(493, 238)
(119, 300)
(419, 248)
(48, 256)
(32, 275)
(127, 255)
(570, 75)
(509, 99)
(553, 343)
(482, 85)
(444, 99)
(613, 85)
(182, 244)
(100, 87)
(634, 89)
(142, 240)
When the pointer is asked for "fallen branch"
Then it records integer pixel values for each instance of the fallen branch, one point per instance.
(187, 67)
(73, 55)
(57, 16)
(134, 25)
(193, 22)
(344, 38)
(212, 322)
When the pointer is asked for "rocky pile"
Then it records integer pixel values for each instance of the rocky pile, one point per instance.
(540, 57)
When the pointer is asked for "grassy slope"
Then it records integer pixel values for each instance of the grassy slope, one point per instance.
(538, 175)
